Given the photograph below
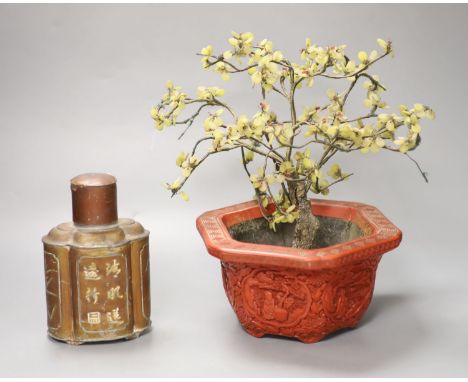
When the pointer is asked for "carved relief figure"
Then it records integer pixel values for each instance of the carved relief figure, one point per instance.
(275, 299)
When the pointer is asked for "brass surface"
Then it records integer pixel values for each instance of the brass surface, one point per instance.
(97, 282)
(96, 268)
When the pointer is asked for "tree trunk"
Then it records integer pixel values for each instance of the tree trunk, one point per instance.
(306, 224)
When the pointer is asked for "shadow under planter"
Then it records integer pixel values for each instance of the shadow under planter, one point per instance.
(293, 292)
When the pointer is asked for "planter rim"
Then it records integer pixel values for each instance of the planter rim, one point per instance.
(380, 236)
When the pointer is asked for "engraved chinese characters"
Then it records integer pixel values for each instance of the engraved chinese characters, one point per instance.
(95, 293)
(103, 292)
(96, 268)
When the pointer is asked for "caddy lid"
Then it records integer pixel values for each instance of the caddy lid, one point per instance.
(94, 199)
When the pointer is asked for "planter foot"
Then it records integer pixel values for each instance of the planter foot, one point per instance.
(254, 332)
(309, 340)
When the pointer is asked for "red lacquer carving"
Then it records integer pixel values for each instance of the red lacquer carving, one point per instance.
(306, 294)
(275, 298)
(307, 305)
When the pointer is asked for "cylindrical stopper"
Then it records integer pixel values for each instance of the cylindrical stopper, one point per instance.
(94, 199)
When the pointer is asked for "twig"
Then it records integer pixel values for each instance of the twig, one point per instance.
(257, 193)
(189, 121)
(335, 182)
(175, 191)
(221, 59)
(423, 173)
(364, 68)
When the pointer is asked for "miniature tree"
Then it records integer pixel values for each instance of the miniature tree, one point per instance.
(290, 169)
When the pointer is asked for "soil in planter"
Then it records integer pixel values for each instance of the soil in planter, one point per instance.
(332, 231)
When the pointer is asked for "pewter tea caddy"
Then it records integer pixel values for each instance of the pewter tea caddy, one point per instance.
(96, 268)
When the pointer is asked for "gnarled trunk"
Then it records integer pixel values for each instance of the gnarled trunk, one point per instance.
(306, 224)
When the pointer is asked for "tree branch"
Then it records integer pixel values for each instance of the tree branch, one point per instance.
(257, 193)
(335, 182)
(356, 72)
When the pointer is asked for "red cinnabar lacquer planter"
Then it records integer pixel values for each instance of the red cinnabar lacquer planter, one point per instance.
(306, 294)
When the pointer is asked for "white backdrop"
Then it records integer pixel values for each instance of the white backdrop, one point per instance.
(76, 86)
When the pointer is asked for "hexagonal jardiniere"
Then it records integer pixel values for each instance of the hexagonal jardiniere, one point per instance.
(293, 292)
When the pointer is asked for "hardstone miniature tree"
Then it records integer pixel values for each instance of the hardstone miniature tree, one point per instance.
(287, 165)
